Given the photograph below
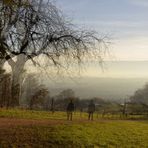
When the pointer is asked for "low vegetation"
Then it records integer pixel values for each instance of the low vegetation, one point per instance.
(57, 132)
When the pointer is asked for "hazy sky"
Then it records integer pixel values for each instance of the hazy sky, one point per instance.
(125, 21)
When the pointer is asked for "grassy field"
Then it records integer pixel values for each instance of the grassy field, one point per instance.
(45, 130)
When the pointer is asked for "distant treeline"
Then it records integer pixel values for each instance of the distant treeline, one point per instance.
(36, 96)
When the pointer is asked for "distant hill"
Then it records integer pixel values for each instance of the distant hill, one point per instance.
(118, 80)
(109, 88)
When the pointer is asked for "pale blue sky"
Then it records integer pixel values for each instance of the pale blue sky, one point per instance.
(125, 21)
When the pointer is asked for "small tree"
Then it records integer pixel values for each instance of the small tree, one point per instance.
(140, 96)
(38, 99)
(139, 101)
(34, 93)
(29, 87)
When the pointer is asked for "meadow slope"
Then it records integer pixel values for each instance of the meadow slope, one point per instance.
(27, 129)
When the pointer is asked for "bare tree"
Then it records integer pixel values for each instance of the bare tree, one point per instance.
(29, 28)
(140, 96)
(37, 100)
(29, 88)
(67, 94)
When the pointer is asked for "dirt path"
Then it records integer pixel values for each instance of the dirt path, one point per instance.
(13, 122)
(9, 122)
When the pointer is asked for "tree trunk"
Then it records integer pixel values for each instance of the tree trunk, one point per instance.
(15, 94)
(5, 88)
(4, 85)
(17, 79)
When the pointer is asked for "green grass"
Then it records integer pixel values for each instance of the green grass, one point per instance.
(32, 114)
(99, 133)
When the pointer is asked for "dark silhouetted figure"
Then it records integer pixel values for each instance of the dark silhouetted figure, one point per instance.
(91, 110)
(70, 109)
(81, 111)
(52, 106)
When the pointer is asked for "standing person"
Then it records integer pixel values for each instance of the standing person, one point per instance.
(91, 110)
(52, 106)
(70, 109)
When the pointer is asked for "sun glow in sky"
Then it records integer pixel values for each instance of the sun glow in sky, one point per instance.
(124, 21)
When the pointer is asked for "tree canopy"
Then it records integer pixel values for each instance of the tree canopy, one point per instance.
(31, 28)
(140, 96)
(35, 27)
